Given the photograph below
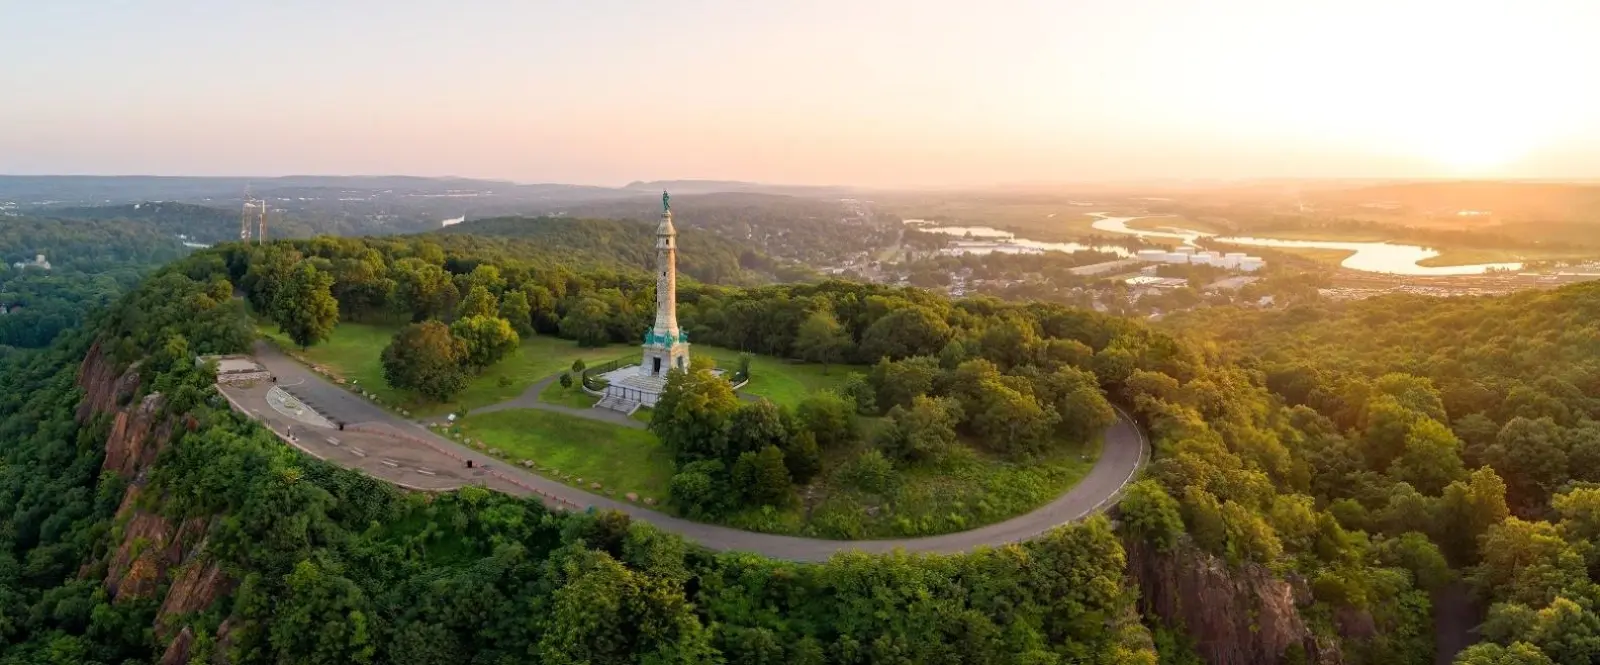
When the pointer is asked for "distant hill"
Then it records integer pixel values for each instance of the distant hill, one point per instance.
(723, 186)
(702, 255)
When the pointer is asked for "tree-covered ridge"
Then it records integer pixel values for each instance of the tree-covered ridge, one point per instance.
(91, 264)
(1237, 472)
(706, 256)
(1471, 422)
(334, 567)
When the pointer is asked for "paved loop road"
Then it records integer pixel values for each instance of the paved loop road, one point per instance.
(1123, 453)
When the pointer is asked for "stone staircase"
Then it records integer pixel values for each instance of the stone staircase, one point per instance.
(618, 404)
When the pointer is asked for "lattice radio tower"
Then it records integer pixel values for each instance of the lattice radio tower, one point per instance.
(254, 209)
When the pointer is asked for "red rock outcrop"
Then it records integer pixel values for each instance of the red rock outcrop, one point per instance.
(1243, 615)
(154, 550)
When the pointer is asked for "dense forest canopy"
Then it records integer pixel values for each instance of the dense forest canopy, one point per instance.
(91, 264)
(1426, 411)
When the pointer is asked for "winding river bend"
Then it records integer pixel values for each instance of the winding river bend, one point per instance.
(1379, 257)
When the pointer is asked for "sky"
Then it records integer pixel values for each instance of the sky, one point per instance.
(848, 92)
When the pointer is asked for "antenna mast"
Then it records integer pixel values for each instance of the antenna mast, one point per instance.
(244, 216)
(261, 235)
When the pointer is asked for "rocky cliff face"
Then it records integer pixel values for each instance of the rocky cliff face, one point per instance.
(1235, 615)
(154, 551)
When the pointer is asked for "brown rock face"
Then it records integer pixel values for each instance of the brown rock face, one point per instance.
(1236, 616)
(154, 550)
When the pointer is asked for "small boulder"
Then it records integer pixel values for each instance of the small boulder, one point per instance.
(649, 501)
(594, 486)
(527, 463)
(631, 496)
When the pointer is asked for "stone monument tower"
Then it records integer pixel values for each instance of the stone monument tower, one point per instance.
(666, 346)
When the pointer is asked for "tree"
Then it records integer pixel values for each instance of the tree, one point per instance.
(755, 426)
(1432, 457)
(304, 306)
(578, 366)
(1152, 514)
(898, 382)
(692, 415)
(911, 330)
(821, 339)
(479, 302)
(1468, 510)
(802, 457)
(424, 289)
(762, 478)
(487, 277)
(1531, 455)
(588, 322)
(922, 432)
(1527, 562)
(514, 308)
(1488, 653)
(487, 339)
(566, 380)
(828, 417)
(426, 358)
(700, 488)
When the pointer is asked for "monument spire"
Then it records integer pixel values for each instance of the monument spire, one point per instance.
(665, 344)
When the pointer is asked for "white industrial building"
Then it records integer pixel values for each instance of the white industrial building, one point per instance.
(1230, 260)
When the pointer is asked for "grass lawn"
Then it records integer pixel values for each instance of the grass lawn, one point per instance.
(573, 396)
(569, 448)
(782, 382)
(354, 348)
(1463, 256)
(967, 490)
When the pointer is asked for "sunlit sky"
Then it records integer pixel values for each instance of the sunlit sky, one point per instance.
(866, 92)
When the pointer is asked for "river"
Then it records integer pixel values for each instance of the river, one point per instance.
(1381, 257)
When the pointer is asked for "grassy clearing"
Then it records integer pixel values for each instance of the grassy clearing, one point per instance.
(354, 350)
(574, 396)
(781, 381)
(965, 491)
(1461, 257)
(577, 451)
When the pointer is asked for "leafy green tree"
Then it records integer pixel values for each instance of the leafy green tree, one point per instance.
(908, 331)
(566, 380)
(755, 426)
(578, 366)
(426, 358)
(424, 289)
(1431, 459)
(479, 302)
(700, 488)
(821, 339)
(870, 472)
(828, 417)
(857, 389)
(1152, 514)
(1527, 562)
(1469, 509)
(692, 416)
(304, 306)
(898, 382)
(1532, 457)
(1488, 653)
(323, 618)
(487, 339)
(486, 276)
(588, 322)
(802, 456)
(514, 308)
(926, 431)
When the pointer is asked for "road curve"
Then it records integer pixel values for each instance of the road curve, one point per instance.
(1125, 450)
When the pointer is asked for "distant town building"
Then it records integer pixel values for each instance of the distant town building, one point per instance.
(1188, 255)
(37, 262)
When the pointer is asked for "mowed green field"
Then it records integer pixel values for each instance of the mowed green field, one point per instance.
(354, 351)
(567, 448)
(778, 380)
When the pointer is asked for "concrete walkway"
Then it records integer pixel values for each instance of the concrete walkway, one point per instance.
(529, 399)
(1122, 455)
